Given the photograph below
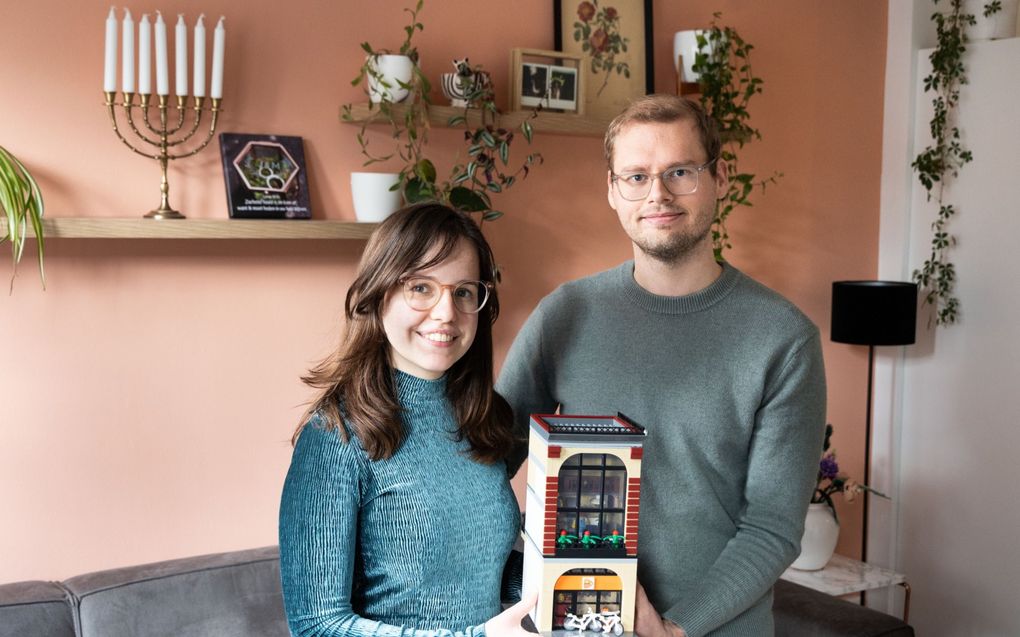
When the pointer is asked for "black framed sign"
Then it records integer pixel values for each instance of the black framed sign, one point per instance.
(615, 38)
(265, 176)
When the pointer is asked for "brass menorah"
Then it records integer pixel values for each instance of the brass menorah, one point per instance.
(165, 136)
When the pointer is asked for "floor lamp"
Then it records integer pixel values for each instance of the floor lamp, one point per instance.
(872, 313)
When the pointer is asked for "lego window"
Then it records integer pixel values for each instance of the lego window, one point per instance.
(591, 489)
(612, 522)
(591, 503)
(567, 522)
(567, 497)
(581, 591)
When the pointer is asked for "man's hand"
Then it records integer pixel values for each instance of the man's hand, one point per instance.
(648, 622)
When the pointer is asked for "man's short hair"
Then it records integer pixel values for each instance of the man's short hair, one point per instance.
(666, 109)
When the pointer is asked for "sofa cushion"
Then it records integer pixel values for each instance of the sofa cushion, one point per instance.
(801, 611)
(222, 595)
(35, 608)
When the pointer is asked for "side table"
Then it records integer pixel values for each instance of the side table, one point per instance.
(845, 576)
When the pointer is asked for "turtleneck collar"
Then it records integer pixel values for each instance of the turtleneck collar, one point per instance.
(411, 389)
(686, 304)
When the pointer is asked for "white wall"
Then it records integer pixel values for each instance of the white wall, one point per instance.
(947, 413)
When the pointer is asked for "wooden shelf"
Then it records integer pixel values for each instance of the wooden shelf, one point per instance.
(555, 123)
(141, 228)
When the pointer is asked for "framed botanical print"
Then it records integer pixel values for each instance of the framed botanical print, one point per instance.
(615, 38)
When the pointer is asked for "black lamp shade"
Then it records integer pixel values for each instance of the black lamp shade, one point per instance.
(874, 312)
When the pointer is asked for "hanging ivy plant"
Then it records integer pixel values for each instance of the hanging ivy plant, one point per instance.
(723, 62)
(487, 169)
(940, 161)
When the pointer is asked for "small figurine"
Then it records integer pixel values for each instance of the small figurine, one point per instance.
(466, 85)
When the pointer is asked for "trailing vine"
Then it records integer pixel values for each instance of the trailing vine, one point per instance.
(946, 154)
(487, 169)
(727, 83)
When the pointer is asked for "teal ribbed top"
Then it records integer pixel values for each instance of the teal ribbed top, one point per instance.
(413, 545)
(729, 384)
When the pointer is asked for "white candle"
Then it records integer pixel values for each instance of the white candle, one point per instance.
(199, 58)
(181, 55)
(144, 55)
(110, 72)
(162, 69)
(219, 37)
(128, 54)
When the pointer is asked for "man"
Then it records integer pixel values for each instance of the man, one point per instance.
(725, 375)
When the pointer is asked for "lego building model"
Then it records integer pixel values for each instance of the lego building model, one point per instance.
(581, 522)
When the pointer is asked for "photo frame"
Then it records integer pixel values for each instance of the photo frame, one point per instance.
(551, 79)
(615, 39)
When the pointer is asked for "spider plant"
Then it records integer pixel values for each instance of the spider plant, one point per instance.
(21, 203)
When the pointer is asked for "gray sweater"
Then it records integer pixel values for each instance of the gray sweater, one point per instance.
(411, 546)
(729, 382)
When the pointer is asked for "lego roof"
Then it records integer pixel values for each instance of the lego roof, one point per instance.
(573, 428)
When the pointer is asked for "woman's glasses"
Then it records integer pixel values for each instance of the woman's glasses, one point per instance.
(423, 293)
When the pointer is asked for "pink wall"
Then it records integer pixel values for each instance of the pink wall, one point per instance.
(149, 394)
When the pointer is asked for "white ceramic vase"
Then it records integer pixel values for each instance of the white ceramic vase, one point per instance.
(999, 25)
(685, 43)
(373, 199)
(393, 70)
(821, 531)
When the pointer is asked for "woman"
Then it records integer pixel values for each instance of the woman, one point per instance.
(397, 517)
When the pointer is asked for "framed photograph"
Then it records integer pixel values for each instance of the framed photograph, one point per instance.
(265, 175)
(551, 79)
(615, 39)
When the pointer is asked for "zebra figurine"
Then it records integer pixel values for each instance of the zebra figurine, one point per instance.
(464, 82)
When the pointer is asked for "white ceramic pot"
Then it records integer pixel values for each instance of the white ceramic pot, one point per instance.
(373, 199)
(393, 70)
(685, 43)
(821, 531)
(1001, 24)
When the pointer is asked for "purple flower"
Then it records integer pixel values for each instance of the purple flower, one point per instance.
(828, 467)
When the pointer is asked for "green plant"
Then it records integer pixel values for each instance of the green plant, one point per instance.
(946, 154)
(830, 481)
(21, 203)
(410, 121)
(728, 83)
(486, 169)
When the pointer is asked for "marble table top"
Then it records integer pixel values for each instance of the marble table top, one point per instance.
(844, 576)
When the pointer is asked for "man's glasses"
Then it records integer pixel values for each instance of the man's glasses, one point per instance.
(678, 180)
(423, 293)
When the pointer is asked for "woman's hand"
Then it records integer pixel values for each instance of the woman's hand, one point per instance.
(508, 623)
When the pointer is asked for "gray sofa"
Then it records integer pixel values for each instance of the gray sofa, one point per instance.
(238, 594)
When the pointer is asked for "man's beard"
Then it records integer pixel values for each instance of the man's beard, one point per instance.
(677, 247)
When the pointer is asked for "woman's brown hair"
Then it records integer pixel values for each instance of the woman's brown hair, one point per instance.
(356, 382)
